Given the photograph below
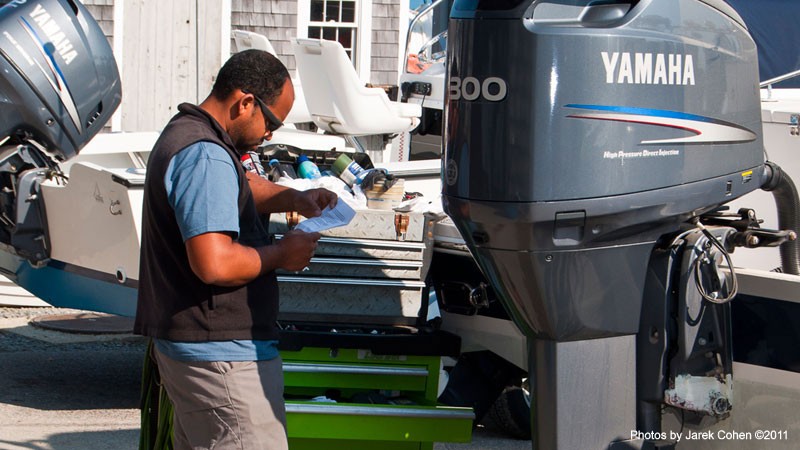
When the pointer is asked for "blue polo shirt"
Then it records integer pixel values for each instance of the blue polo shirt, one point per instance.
(203, 190)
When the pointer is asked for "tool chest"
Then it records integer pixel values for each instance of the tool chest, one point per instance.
(371, 271)
(354, 331)
(384, 382)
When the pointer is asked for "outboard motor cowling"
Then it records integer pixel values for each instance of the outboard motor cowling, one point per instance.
(580, 136)
(579, 132)
(59, 82)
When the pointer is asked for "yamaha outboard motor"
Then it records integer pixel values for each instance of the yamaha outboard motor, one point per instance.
(59, 82)
(581, 137)
(59, 85)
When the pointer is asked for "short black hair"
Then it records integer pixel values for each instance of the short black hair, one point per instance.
(254, 71)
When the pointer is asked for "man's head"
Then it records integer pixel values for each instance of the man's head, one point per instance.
(255, 90)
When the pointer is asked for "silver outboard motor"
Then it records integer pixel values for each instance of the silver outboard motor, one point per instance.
(59, 85)
(579, 135)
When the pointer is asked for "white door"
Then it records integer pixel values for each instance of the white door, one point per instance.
(168, 53)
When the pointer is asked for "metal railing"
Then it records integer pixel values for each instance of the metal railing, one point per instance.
(776, 80)
(768, 84)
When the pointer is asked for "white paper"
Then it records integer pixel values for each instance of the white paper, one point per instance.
(339, 216)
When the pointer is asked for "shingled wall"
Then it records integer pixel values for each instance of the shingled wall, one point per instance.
(103, 13)
(277, 20)
(385, 17)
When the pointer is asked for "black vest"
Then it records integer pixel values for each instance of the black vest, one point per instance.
(173, 302)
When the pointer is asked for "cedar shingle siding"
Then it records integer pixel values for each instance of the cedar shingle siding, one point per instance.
(275, 19)
(103, 13)
(385, 22)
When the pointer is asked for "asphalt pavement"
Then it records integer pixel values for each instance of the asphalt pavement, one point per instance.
(66, 391)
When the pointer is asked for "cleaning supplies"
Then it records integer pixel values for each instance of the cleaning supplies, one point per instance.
(252, 162)
(348, 170)
(307, 169)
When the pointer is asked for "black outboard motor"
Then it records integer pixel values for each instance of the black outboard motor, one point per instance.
(579, 135)
(59, 85)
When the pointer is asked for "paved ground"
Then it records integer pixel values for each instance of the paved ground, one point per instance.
(60, 391)
(59, 394)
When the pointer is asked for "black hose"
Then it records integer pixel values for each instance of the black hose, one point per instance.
(788, 204)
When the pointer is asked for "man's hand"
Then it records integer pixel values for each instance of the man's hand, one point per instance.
(310, 203)
(274, 198)
(297, 248)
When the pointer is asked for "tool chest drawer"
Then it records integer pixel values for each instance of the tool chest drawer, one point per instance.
(382, 399)
(369, 271)
(350, 300)
(363, 267)
(312, 375)
(346, 374)
(370, 248)
(322, 426)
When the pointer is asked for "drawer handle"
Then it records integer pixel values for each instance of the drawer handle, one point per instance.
(340, 409)
(360, 370)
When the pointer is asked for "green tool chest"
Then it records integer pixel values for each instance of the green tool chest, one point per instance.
(385, 393)
(354, 330)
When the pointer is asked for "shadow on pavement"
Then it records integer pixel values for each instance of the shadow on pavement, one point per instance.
(79, 379)
(94, 440)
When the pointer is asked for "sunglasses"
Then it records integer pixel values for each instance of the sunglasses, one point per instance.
(272, 122)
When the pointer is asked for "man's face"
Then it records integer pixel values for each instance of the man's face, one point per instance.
(262, 119)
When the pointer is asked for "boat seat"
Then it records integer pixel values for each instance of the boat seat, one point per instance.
(338, 100)
(246, 40)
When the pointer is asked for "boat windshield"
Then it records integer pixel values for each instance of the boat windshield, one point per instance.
(426, 42)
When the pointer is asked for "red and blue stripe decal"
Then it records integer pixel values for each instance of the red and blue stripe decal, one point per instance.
(57, 80)
(704, 130)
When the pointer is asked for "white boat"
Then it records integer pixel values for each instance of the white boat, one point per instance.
(89, 233)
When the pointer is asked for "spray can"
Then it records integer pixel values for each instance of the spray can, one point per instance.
(252, 163)
(348, 170)
(307, 169)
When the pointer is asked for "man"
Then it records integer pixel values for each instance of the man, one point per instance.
(207, 289)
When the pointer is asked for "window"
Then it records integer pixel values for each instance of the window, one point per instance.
(348, 22)
(334, 20)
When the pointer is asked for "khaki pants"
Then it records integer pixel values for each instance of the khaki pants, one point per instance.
(226, 405)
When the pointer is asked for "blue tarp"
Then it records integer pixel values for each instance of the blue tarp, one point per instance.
(774, 26)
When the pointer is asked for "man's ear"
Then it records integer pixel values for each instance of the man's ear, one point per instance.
(245, 104)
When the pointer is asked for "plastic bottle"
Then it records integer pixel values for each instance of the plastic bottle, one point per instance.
(307, 169)
(348, 170)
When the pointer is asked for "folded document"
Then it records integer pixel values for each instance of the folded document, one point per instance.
(339, 216)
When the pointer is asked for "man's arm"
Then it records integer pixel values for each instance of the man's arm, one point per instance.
(202, 189)
(217, 259)
(270, 197)
(273, 198)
